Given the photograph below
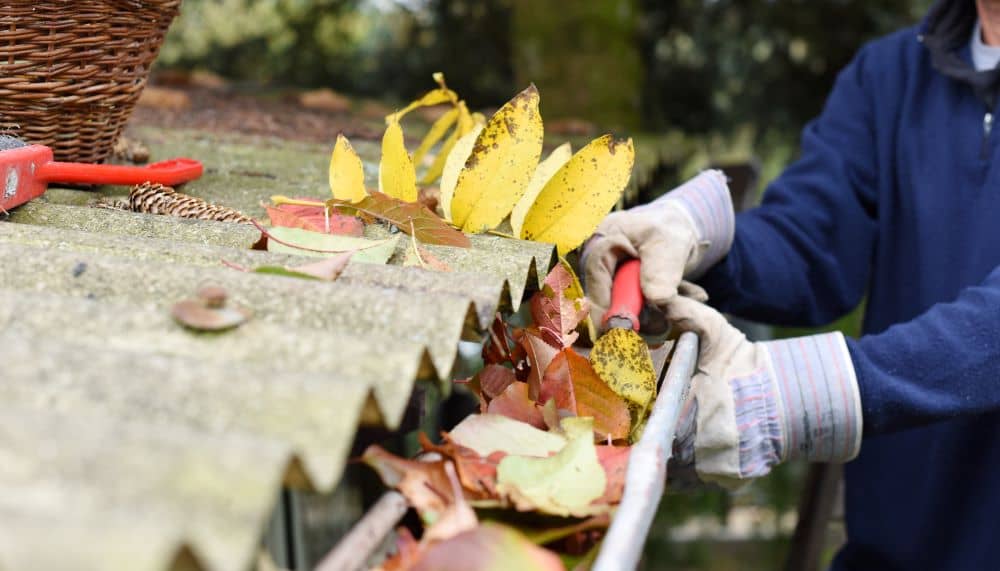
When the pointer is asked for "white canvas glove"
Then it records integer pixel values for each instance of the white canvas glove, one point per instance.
(755, 405)
(678, 236)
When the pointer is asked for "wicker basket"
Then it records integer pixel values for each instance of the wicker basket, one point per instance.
(72, 70)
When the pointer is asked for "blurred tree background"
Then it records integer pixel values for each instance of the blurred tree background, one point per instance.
(695, 65)
(729, 80)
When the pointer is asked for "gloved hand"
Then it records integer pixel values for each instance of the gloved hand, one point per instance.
(755, 405)
(680, 235)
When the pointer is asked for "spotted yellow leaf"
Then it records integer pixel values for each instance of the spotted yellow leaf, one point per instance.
(503, 159)
(396, 176)
(543, 173)
(347, 173)
(453, 166)
(621, 359)
(576, 198)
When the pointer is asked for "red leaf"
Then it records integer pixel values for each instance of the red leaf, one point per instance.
(614, 460)
(477, 475)
(488, 547)
(555, 312)
(496, 350)
(313, 218)
(539, 354)
(407, 552)
(494, 380)
(410, 217)
(514, 403)
(425, 484)
(570, 380)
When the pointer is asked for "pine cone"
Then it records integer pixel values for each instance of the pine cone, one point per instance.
(153, 198)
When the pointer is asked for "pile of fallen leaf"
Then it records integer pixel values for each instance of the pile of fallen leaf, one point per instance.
(532, 481)
(476, 175)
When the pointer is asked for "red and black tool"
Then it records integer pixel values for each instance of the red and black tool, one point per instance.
(26, 171)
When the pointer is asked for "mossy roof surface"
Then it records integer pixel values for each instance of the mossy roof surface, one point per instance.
(132, 442)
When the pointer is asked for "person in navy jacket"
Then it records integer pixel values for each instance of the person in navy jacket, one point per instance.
(896, 197)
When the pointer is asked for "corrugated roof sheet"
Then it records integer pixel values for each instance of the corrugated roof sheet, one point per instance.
(133, 443)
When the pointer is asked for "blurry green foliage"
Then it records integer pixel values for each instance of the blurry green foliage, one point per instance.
(695, 65)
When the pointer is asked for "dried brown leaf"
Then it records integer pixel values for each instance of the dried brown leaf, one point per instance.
(410, 217)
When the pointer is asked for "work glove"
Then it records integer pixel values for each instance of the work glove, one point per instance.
(678, 236)
(752, 406)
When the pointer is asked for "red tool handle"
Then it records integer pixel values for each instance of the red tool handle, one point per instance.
(626, 297)
(170, 173)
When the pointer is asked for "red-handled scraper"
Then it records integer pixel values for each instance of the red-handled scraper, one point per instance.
(621, 357)
(26, 171)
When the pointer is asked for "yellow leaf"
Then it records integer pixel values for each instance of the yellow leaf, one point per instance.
(396, 176)
(453, 166)
(621, 358)
(347, 174)
(500, 166)
(435, 133)
(437, 167)
(543, 173)
(434, 97)
(580, 194)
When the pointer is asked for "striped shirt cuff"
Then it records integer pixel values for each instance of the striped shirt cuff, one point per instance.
(815, 388)
(706, 199)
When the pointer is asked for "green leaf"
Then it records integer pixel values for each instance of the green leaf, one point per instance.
(565, 484)
(489, 433)
(305, 243)
(326, 270)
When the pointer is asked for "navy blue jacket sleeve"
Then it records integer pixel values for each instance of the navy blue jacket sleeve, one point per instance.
(942, 364)
(803, 256)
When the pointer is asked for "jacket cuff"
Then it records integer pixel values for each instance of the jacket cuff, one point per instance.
(706, 199)
(817, 391)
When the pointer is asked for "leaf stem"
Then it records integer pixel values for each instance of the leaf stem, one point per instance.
(502, 234)
(278, 200)
(416, 247)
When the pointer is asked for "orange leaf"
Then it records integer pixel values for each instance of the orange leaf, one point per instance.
(407, 552)
(489, 547)
(314, 219)
(514, 403)
(572, 383)
(539, 354)
(494, 380)
(425, 484)
(478, 475)
(410, 217)
(614, 460)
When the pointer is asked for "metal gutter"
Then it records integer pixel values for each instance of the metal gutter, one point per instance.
(646, 477)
